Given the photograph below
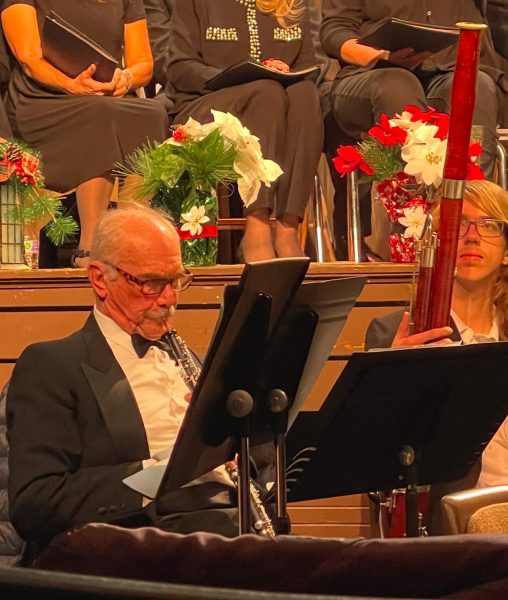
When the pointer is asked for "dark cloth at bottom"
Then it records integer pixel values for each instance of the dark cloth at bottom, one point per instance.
(288, 123)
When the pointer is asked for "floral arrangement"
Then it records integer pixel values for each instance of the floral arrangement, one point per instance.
(405, 155)
(181, 176)
(20, 172)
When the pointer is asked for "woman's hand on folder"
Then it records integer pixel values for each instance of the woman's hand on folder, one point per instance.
(407, 58)
(433, 337)
(278, 65)
(85, 84)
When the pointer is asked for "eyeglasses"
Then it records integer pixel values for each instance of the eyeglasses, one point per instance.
(485, 228)
(153, 287)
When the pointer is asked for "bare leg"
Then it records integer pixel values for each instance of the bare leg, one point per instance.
(287, 242)
(93, 198)
(257, 241)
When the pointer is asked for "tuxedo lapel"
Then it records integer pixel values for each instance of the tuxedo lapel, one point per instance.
(114, 396)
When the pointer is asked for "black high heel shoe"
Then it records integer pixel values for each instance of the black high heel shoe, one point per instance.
(78, 253)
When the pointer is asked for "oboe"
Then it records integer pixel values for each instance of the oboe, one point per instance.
(190, 372)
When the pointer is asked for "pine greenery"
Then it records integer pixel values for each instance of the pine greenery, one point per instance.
(203, 164)
(34, 203)
(384, 160)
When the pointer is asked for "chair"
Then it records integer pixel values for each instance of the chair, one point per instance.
(11, 545)
(478, 510)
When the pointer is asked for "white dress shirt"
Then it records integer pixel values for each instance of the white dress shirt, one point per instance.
(159, 391)
(159, 396)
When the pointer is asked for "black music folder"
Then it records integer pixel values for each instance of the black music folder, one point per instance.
(397, 34)
(71, 51)
(446, 403)
(249, 70)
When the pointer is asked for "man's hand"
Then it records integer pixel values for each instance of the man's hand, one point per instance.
(278, 65)
(407, 58)
(432, 337)
(85, 84)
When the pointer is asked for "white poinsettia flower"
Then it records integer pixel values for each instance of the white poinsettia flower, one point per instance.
(404, 121)
(413, 220)
(193, 129)
(194, 219)
(420, 135)
(251, 167)
(426, 161)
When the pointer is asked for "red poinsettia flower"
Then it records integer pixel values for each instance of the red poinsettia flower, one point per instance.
(473, 168)
(430, 116)
(179, 135)
(348, 159)
(386, 134)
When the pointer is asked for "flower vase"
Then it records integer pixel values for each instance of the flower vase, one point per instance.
(402, 249)
(194, 213)
(12, 254)
(406, 205)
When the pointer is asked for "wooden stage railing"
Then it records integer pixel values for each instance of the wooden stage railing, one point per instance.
(48, 304)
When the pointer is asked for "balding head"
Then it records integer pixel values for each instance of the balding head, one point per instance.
(123, 231)
(132, 246)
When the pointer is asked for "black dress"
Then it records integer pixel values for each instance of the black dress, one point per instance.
(81, 137)
(207, 36)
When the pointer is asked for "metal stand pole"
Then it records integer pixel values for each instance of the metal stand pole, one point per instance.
(354, 233)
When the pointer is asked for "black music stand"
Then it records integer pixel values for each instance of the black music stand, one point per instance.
(400, 418)
(252, 373)
(218, 422)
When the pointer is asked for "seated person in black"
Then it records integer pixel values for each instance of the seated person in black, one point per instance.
(374, 81)
(205, 38)
(82, 127)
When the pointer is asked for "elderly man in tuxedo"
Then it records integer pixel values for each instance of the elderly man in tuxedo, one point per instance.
(87, 411)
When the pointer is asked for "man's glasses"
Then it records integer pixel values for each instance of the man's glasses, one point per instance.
(153, 287)
(485, 228)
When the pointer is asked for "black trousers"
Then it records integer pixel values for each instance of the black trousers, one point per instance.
(289, 124)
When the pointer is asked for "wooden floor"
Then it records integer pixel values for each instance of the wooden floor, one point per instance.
(46, 304)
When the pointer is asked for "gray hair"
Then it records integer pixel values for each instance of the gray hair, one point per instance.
(109, 233)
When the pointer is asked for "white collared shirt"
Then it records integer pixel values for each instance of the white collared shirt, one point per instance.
(159, 396)
(468, 336)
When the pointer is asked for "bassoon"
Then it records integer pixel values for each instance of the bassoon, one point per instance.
(437, 311)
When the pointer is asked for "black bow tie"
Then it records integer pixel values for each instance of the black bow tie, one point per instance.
(141, 345)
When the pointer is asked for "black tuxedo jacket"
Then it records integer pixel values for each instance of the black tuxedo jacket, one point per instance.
(75, 431)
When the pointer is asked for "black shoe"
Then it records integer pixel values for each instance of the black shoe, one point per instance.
(78, 253)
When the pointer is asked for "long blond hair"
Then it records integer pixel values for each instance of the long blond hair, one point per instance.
(284, 11)
(493, 201)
